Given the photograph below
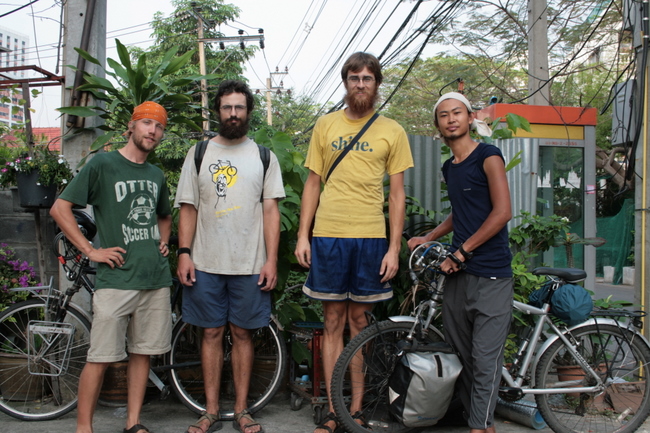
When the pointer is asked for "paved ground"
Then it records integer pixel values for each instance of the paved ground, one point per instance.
(622, 292)
(170, 416)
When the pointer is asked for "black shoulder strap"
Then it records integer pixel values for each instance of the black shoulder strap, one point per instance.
(265, 156)
(351, 144)
(198, 154)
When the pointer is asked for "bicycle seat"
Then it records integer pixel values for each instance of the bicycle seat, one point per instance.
(570, 275)
(86, 223)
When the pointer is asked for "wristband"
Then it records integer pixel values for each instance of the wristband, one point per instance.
(468, 256)
(456, 260)
(183, 251)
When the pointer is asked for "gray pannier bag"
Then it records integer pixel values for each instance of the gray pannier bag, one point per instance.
(422, 384)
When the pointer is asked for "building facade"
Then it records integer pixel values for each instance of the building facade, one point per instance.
(13, 49)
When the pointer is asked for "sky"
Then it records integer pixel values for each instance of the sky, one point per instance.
(306, 36)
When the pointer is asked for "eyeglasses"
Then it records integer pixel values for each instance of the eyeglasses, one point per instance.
(354, 79)
(228, 108)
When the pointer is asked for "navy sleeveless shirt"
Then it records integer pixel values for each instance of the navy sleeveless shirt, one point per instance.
(469, 195)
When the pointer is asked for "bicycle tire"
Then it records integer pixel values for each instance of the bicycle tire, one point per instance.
(28, 389)
(621, 357)
(377, 344)
(269, 369)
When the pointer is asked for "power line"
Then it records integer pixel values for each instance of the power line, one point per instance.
(18, 8)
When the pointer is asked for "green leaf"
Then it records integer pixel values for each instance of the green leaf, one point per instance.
(99, 82)
(123, 53)
(78, 111)
(87, 56)
(177, 63)
(102, 140)
(516, 160)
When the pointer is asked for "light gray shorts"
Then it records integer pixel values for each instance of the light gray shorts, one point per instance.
(142, 316)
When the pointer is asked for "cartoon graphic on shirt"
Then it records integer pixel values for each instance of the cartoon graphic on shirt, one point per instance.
(224, 175)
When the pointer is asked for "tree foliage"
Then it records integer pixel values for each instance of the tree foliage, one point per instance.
(131, 85)
(412, 106)
(582, 35)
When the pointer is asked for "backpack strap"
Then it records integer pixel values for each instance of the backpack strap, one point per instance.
(199, 152)
(265, 157)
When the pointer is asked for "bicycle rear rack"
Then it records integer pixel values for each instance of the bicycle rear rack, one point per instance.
(50, 342)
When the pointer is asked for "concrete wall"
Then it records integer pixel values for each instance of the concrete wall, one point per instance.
(18, 230)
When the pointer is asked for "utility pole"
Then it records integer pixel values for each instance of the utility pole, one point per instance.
(91, 35)
(222, 44)
(200, 22)
(269, 88)
(538, 85)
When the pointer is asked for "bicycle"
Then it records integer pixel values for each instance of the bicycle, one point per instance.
(608, 394)
(44, 342)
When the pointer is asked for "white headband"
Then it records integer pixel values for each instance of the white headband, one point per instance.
(480, 126)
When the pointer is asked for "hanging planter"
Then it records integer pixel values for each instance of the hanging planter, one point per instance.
(38, 175)
(32, 193)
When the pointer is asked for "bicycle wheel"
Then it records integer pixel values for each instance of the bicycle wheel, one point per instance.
(362, 371)
(40, 364)
(621, 358)
(269, 368)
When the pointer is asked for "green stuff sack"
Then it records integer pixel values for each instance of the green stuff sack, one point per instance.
(570, 303)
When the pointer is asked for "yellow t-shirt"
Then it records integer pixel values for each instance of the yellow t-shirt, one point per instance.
(351, 204)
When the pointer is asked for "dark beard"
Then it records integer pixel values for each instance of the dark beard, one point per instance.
(361, 105)
(234, 132)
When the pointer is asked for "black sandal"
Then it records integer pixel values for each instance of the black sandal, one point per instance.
(135, 429)
(358, 415)
(329, 417)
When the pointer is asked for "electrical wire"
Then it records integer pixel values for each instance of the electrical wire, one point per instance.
(18, 8)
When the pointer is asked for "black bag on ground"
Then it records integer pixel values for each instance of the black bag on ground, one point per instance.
(422, 384)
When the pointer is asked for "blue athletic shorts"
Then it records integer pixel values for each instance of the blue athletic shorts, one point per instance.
(214, 300)
(344, 268)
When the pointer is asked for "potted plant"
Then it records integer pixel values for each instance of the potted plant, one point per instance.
(14, 273)
(38, 176)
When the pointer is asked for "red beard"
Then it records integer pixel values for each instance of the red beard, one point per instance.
(361, 103)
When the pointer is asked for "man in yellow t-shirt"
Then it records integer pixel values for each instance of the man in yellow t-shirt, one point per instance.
(349, 258)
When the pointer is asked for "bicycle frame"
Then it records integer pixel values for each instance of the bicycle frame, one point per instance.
(529, 346)
(529, 349)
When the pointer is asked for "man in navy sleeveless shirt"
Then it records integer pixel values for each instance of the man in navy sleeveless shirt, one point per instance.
(477, 306)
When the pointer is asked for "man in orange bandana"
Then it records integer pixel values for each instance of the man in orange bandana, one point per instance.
(131, 206)
(150, 110)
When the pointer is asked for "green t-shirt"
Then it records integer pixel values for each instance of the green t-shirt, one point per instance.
(127, 199)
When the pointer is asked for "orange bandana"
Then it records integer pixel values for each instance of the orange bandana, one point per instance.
(150, 110)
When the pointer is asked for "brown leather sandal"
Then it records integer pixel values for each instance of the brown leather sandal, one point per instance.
(245, 414)
(213, 419)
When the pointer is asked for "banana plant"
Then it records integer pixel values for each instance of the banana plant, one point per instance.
(132, 84)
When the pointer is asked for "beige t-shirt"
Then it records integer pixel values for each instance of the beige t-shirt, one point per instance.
(229, 237)
(351, 204)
